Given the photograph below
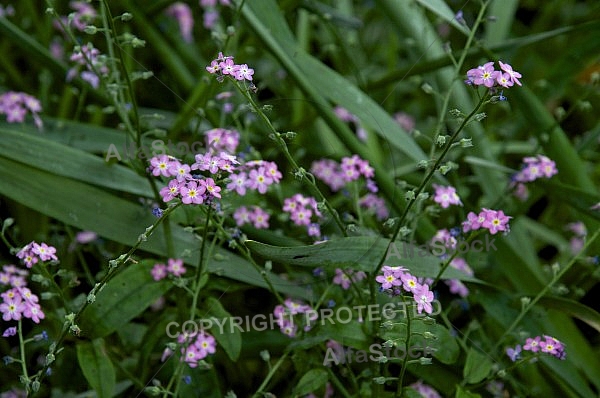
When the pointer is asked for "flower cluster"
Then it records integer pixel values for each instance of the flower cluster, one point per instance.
(486, 75)
(346, 277)
(255, 175)
(183, 14)
(222, 140)
(192, 189)
(254, 215)
(337, 175)
(284, 315)
(301, 210)
(211, 13)
(492, 220)
(93, 64)
(395, 279)
(18, 301)
(83, 16)
(536, 167)
(455, 285)
(546, 344)
(174, 267)
(33, 252)
(15, 106)
(533, 168)
(577, 242)
(374, 204)
(203, 345)
(446, 196)
(345, 116)
(224, 66)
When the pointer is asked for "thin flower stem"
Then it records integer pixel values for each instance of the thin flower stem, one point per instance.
(112, 271)
(399, 390)
(22, 354)
(297, 169)
(545, 290)
(267, 379)
(429, 175)
(243, 249)
(452, 257)
(201, 262)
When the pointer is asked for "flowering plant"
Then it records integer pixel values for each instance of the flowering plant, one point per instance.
(346, 207)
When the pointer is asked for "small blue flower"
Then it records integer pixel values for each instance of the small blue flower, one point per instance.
(157, 212)
(514, 353)
(455, 232)
(187, 379)
(331, 303)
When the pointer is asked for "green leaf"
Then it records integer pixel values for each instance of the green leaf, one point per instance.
(125, 296)
(573, 308)
(477, 367)
(359, 253)
(65, 161)
(311, 381)
(115, 218)
(447, 349)
(97, 367)
(441, 9)
(462, 393)
(231, 338)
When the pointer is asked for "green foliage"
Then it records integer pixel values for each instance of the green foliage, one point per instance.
(84, 167)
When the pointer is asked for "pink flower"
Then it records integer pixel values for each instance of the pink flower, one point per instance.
(446, 196)
(495, 220)
(183, 13)
(160, 165)
(259, 218)
(206, 344)
(192, 193)
(45, 252)
(211, 187)
(474, 221)
(410, 283)
(171, 191)
(423, 296)
(244, 72)
(241, 216)
(175, 266)
(258, 180)
(388, 280)
(12, 309)
(514, 76)
(425, 390)
(228, 67)
(238, 183)
(158, 272)
(34, 312)
(532, 344)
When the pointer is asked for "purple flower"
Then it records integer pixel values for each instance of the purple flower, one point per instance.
(10, 332)
(446, 196)
(514, 76)
(423, 296)
(514, 353)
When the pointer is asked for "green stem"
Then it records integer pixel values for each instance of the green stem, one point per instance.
(112, 271)
(297, 169)
(430, 174)
(545, 290)
(270, 375)
(399, 390)
(22, 354)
